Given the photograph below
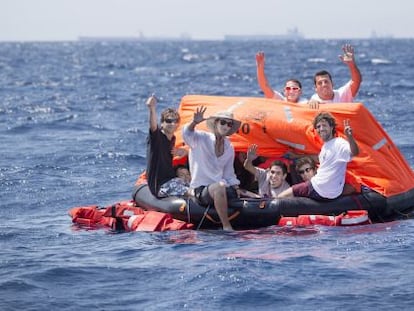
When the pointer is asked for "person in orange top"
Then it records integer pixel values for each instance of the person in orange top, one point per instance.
(292, 89)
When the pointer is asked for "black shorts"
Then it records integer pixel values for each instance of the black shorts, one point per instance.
(204, 198)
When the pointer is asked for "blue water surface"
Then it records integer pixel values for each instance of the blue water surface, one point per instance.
(73, 124)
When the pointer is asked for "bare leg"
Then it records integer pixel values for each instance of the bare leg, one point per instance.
(218, 192)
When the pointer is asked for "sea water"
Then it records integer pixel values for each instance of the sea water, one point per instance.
(73, 124)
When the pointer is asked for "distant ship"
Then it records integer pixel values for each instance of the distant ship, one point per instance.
(291, 34)
(140, 37)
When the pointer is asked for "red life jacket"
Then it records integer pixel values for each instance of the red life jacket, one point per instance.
(350, 218)
(126, 216)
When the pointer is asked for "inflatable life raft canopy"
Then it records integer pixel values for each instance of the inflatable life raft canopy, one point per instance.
(277, 127)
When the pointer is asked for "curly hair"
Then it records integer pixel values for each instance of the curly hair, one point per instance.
(328, 118)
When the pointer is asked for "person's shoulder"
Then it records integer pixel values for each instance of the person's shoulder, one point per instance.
(315, 97)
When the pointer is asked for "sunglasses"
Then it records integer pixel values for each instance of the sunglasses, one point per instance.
(171, 120)
(307, 170)
(225, 122)
(292, 88)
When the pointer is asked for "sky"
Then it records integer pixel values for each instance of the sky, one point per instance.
(62, 20)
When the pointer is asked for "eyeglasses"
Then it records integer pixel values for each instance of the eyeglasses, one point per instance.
(292, 88)
(307, 170)
(171, 120)
(225, 122)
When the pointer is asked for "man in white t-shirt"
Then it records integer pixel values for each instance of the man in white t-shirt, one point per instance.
(336, 152)
(324, 85)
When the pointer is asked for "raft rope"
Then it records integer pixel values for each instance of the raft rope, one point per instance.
(188, 211)
(204, 217)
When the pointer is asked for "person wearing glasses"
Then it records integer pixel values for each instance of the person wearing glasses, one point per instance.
(336, 152)
(292, 91)
(211, 158)
(306, 167)
(160, 146)
(325, 92)
(271, 181)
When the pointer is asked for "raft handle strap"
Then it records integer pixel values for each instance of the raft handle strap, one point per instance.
(188, 211)
(204, 216)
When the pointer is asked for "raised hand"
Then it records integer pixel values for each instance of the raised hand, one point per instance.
(347, 128)
(260, 58)
(252, 152)
(199, 114)
(348, 55)
(151, 101)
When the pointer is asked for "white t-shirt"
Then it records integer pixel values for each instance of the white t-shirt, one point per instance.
(330, 179)
(341, 95)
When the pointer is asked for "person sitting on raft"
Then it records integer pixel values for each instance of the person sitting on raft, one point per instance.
(272, 181)
(160, 146)
(336, 152)
(178, 186)
(306, 168)
(211, 158)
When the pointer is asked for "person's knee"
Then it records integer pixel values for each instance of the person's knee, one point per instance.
(217, 189)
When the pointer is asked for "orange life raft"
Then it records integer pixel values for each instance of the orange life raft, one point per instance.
(278, 126)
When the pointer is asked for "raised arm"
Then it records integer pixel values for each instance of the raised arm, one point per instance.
(352, 143)
(198, 118)
(151, 104)
(261, 77)
(349, 59)
(251, 155)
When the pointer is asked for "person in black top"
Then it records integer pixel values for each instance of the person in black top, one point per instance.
(160, 146)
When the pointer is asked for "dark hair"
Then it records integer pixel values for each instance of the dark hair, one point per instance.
(281, 164)
(322, 73)
(305, 160)
(295, 81)
(169, 111)
(179, 167)
(328, 118)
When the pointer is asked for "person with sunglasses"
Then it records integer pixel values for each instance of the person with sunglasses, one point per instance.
(305, 167)
(160, 146)
(325, 92)
(271, 181)
(336, 152)
(292, 91)
(211, 158)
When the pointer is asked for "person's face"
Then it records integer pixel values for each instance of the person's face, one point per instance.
(276, 176)
(306, 171)
(292, 91)
(324, 130)
(223, 126)
(324, 87)
(184, 174)
(170, 124)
